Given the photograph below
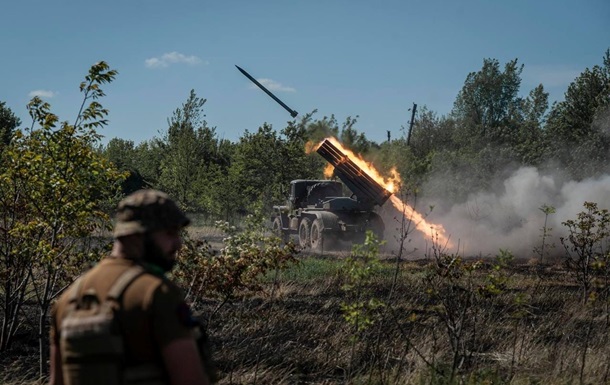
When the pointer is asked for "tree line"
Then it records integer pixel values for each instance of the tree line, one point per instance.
(491, 130)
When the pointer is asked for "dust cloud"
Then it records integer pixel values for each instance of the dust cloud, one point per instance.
(510, 218)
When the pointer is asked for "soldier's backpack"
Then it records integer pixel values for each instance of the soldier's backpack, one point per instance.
(91, 344)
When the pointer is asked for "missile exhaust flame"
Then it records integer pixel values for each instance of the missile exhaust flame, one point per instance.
(430, 231)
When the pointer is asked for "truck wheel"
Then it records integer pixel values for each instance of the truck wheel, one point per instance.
(276, 228)
(304, 233)
(317, 236)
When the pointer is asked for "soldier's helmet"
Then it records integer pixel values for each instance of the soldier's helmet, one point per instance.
(147, 210)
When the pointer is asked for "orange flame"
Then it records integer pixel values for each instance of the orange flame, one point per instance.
(328, 170)
(430, 230)
(389, 184)
(311, 146)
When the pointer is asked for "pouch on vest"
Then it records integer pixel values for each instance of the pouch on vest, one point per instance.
(92, 347)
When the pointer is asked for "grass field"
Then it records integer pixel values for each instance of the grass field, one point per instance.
(534, 330)
(428, 321)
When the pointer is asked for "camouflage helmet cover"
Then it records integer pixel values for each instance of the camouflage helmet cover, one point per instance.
(147, 210)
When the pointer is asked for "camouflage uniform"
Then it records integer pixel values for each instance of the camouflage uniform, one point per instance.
(152, 310)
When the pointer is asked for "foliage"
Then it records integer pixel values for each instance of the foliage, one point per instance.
(573, 136)
(55, 189)
(587, 255)
(256, 162)
(8, 123)
(248, 254)
(122, 154)
(460, 295)
(452, 291)
(351, 138)
(529, 142)
(496, 281)
(431, 133)
(397, 154)
(490, 131)
(54, 192)
(361, 268)
(545, 248)
(319, 129)
(189, 149)
(587, 245)
(147, 161)
(488, 100)
(265, 162)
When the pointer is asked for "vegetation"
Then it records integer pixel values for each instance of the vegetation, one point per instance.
(54, 194)
(446, 319)
(491, 131)
(276, 317)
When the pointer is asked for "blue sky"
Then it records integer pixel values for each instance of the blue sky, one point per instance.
(368, 58)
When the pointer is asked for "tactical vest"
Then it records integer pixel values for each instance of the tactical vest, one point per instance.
(91, 343)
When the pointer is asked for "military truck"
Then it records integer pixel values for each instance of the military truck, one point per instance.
(320, 212)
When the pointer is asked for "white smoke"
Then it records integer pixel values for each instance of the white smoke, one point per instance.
(512, 219)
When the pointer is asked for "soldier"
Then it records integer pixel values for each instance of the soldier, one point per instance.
(128, 291)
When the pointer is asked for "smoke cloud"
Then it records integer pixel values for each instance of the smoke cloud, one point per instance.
(510, 218)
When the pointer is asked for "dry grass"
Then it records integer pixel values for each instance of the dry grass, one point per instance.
(300, 337)
(294, 332)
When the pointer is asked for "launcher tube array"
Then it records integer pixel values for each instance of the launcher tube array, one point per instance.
(353, 176)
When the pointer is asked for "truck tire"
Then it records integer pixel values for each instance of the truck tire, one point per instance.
(276, 228)
(316, 235)
(305, 233)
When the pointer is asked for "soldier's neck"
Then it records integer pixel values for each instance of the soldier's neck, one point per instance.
(130, 247)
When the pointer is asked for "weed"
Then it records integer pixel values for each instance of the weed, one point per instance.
(545, 233)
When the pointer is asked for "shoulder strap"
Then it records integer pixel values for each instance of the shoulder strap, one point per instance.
(123, 281)
(75, 290)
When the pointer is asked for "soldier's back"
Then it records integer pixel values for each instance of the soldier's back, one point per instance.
(148, 314)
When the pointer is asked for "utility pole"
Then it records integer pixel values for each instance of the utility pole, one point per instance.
(411, 123)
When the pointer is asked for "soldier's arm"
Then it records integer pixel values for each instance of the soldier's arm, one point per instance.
(173, 333)
(183, 363)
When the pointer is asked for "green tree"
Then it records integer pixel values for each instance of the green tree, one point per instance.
(297, 144)
(225, 195)
(148, 156)
(266, 161)
(8, 123)
(431, 133)
(352, 139)
(488, 100)
(529, 141)
(221, 198)
(578, 132)
(122, 154)
(54, 189)
(492, 129)
(189, 151)
(319, 129)
(257, 165)
(587, 246)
